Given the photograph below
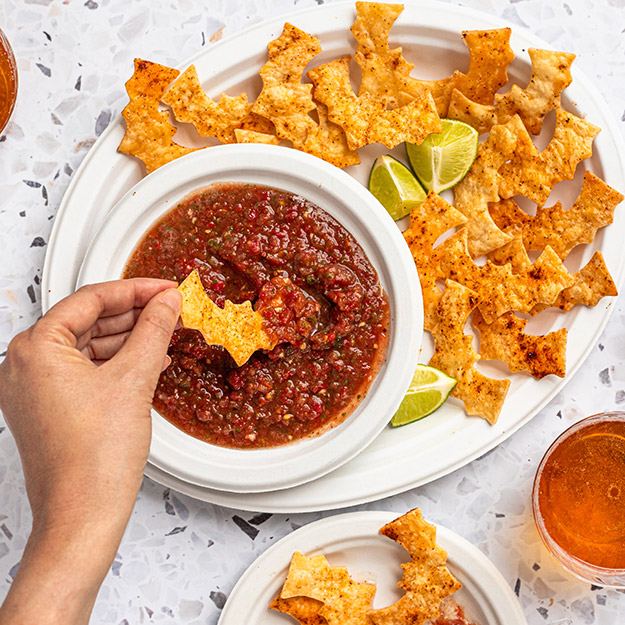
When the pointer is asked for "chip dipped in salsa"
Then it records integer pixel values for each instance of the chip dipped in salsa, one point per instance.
(316, 289)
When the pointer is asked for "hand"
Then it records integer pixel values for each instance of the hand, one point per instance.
(76, 391)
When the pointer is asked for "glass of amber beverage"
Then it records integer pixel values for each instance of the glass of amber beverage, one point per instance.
(579, 499)
(8, 81)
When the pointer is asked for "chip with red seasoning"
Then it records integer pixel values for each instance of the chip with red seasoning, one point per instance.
(210, 118)
(149, 133)
(505, 339)
(236, 327)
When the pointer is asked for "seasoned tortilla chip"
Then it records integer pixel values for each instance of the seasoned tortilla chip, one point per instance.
(284, 99)
(251, 136)
(559, 228)
(149, 133)
(591, 283)
(236, 327)
(481, 186)
(303, 609)
(505, 339)
(498, 288)
(385, 73)
(258, 123)
(426, 579)
(532, 174)
(551, 74)
(490, 55)
(364, 118)
(191, 105)
(345, 602)
(512, 253)
(454, 354)
(428, 221)
(329, 142)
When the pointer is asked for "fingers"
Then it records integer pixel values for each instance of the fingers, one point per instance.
(105, 347)
(79, 312)
(106, 326)
(146, 347)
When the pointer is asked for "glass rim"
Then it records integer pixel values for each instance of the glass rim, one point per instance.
(549, 542)
(13, 63)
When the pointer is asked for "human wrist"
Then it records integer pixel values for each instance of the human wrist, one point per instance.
(60, 573)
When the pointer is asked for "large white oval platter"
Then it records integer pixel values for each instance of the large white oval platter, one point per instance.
(413, 455)
(352, 540)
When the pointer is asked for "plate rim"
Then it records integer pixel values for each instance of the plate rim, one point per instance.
(501, 596)
(473, 15)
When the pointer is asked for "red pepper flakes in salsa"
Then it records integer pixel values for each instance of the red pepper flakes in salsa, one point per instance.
(316, 289)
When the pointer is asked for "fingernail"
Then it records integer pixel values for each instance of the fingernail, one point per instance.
(166, 363)
(172, 298)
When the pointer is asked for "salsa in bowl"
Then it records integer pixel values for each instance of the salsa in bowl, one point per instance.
(256, 243)
(258, 222)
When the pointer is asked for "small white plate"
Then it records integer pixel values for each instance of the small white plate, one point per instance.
(259, 470)
(352, 540)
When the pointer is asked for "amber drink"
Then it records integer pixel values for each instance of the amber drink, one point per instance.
(579, 499)
(8, 81)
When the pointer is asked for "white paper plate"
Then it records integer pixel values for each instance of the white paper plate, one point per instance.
(258, 470)
(352, 540)
(406, 457)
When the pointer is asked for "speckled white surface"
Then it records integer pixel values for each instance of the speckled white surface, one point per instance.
(180, 558)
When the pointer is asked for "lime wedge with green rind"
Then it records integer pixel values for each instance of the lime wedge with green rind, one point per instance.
(395, 186)
(444, 158)
(428, 391)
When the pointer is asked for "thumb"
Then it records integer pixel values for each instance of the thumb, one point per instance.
(145, 349)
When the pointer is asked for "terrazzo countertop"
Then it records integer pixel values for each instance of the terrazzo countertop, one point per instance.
(180, 557)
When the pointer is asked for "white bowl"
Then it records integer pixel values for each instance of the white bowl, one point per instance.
(259, 470)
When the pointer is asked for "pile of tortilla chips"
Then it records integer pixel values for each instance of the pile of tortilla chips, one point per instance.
(315, 593)
(483, 271)
(323, 115)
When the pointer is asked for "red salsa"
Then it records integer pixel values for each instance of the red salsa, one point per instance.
(316, 289)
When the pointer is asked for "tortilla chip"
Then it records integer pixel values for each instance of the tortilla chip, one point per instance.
(284, 99)
(490, 55)
(345, 602)
(235, 327)
(512, 253)
(591, 283)
(428, 221)
(481, 186)
(329, 142)
(454, 354)
(303, 609)
(532, 174)
(551, 74)
(364, 118)
(426, 579)
(191, 105)
(505, 340)
(149, 133)
(258, 123)
(559, 228)
(385, 73)
(498, 288)
(251, 136)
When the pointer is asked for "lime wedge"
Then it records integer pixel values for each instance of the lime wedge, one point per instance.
(395, 186)
(444, 158)
(427, 392)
